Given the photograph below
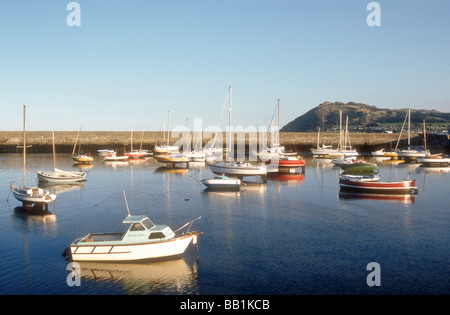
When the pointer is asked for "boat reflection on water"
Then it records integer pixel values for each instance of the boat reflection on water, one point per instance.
(36, 218)
(62, 188)
(287, 177)
(406, 199)
(171, 170)
(160, 277)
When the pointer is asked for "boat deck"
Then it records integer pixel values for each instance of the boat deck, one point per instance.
(102, 237)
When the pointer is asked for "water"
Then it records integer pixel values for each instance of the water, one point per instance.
(284, 237)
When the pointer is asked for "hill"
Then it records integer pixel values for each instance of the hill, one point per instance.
(326, 116)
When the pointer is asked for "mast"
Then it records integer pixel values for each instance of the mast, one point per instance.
(131, 145)
(142, 139)
(168, 129)
(340, 130)
(53, 146)
(277, 136)
(346, 135)
(409, 128)
(424, 136)
(24, 150)
(76, 140)
(229, 123)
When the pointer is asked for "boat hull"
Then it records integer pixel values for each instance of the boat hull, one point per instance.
(60, 177)
(220, 184)
(171, 159)
(83, 159)
(131, 252)
(235, 169)
(26, 196)
(403, 187)
(434, 161)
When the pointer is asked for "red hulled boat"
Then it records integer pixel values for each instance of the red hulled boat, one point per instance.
(402, 187)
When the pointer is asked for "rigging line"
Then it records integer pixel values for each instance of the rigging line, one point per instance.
(103, 201)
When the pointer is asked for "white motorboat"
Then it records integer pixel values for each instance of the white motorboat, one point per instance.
(143, 240)
(222, 183)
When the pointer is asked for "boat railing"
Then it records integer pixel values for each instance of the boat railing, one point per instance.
(189, 224)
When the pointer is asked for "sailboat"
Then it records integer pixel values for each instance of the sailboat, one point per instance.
(166, 148)
(343, 148)
(81, 157)
(346, 149)
(59, 176)
(30, 195)
(323, 150)
(276, 157)
(136, 153)
(410, 153)
(432, 159)
(240, 168)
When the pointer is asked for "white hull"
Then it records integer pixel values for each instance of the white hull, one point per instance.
(132, 252)
(238, 169)
(58, 176)
(411, 153)
(112, 158)
(166, 149)
(434, 161)
(222, 184)
(31, 195)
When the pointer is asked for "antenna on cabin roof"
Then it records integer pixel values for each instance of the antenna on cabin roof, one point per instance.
(126, 202)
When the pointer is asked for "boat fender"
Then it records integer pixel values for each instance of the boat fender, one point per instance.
(412, 191)
(194, 240)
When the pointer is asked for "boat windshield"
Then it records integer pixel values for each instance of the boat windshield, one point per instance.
(147, 223)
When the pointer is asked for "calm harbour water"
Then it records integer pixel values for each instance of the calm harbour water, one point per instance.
(288, 236)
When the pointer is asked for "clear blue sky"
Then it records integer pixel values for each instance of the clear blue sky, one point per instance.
(130, 62)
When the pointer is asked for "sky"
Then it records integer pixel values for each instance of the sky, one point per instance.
(131, 62)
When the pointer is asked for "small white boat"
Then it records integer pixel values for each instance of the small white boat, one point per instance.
(222, 183)
(143, 240)
(378, 152)
(136, 154)
(114, 157)
(32, 195)
(238, 168)
(344, 160)
(59, 176)
(104, 152)
(434, 160)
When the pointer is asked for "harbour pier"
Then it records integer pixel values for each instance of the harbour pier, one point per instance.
(41, 141)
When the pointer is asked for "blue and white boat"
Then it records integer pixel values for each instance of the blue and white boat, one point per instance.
(222, 183)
